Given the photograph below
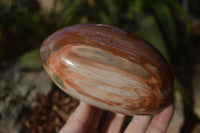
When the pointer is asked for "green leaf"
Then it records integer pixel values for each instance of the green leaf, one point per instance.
(72, 13)
(180, 9)
(164, 17)
(105, 19)
(152, 33)
(30, 60)
(138, 6)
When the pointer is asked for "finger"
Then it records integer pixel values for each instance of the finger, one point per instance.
(79, 119)
(113, 123)
(138, 124)
(92, 127)
(160, 122)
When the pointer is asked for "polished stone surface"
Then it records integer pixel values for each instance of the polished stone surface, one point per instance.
(108, 68)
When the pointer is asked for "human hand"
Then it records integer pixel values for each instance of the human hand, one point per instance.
(85, 119)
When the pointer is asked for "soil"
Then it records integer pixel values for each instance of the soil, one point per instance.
(51, 113)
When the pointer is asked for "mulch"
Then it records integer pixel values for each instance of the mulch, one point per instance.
(51, 113)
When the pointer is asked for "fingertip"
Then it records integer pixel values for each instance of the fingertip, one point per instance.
(161, 121)
(79, 119)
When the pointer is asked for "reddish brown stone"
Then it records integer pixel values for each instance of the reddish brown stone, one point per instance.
(108, 68)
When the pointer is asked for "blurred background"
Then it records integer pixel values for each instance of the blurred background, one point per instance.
(31, 103)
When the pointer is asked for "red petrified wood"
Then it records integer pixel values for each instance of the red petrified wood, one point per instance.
(108, 68)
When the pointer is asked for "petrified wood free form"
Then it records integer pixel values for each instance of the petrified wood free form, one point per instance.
(108, 68)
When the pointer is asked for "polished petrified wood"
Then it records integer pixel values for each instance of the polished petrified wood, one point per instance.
(108, 68)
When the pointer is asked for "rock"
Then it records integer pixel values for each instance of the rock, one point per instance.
(18, 90)
(108, 68)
